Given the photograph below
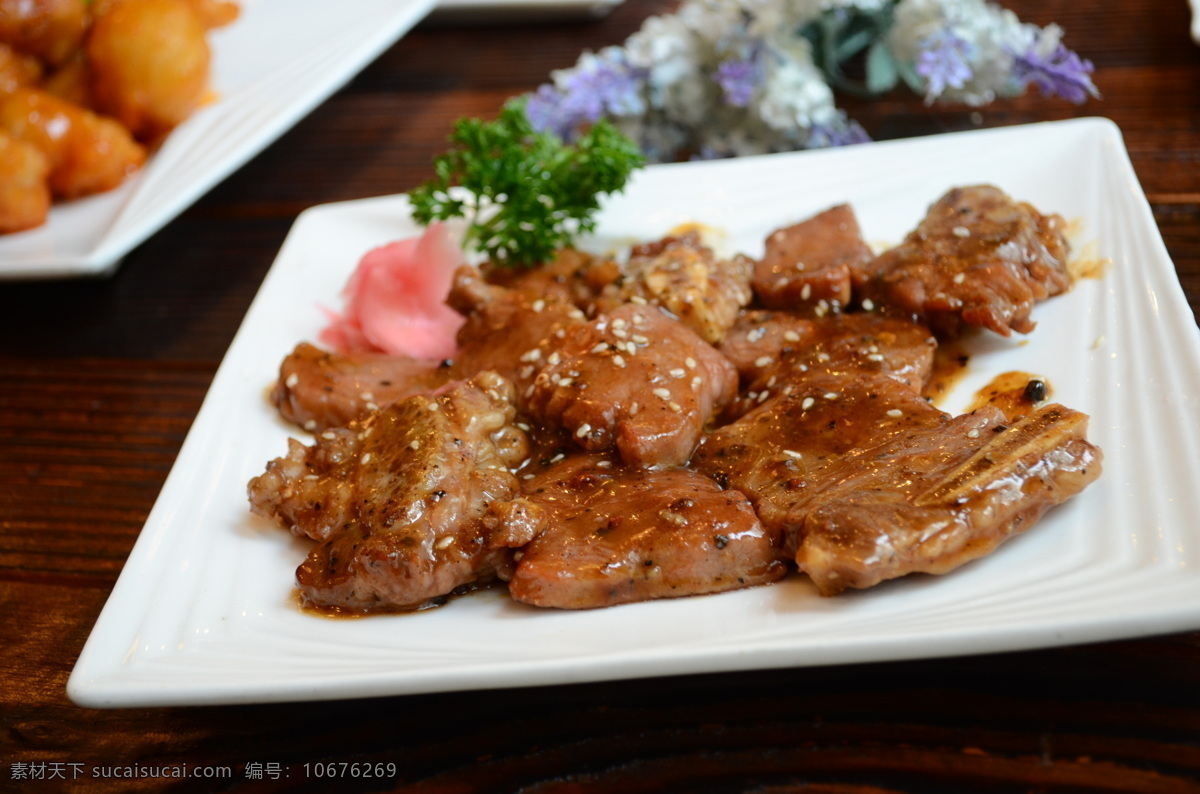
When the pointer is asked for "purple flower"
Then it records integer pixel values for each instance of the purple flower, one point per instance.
(1063, 73)
(739, 78)
(545, 112)
(843, 133)
(596, 87)
(944, 62)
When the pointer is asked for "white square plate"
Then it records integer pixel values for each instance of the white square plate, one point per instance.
(270, 68)
(205, 611)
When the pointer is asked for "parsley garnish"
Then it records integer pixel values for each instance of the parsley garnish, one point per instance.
(525, 193)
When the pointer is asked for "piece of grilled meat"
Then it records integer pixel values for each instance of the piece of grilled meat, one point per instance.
(867, 481)
(977, 259)
(616, 534)
(773, 350)
(807, 265)
(410, 503)
(635, 380)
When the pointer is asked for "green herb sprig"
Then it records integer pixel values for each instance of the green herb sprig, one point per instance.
(525, 193)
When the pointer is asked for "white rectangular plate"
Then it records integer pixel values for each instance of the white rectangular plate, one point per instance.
(205, 611)
(270, 68)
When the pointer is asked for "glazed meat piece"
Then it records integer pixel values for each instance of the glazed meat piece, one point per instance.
(635, 380)
(773, 350)
(867, 481)
(503, 324)
(572, 276)
(318, 389)
(978, 259)
(615, 535)
(686, 278)
(410, 503)
(809, 263)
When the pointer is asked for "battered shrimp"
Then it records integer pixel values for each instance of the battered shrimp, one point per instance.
(149, 61)
(87, 153)
(17, 69)
(48, 29)
(24, 196)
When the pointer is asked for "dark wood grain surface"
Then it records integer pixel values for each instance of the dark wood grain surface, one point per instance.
(100, 381)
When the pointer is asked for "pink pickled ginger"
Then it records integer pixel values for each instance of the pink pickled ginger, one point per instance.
(396, 299)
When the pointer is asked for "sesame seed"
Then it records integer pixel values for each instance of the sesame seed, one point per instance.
(583, 430)
(638, 299)
(809, 402)
(575, 314)
(366, 458)
(662, 393)
(961, 231)
(799, 265)
(554, 359)
(641, 340)
(791, 336)
(791, 453)
(367, 397)
(557, 458)
(823, 357)
(868, 305)
(875, 357)
(678, 372)
(634, 408)
(806, 292)
(895, 413)
(620, 333)
(526, 476)
(560, 334)
(619, 360)
(432, 406)
(831, 395)
(691, 362)
(959, 278)
(696, 383)
(445, 542)
(619, 323)
(764, 395)
(781, 283)
(329, 435)
(532, 355)
(756, 334)
(371, 407)
(292, 381)
(600, 348)
(973, 433)
(526, 371)
(538, 305)
(674, 406)
(565, 382)
(762, 361)
(415, 445)
(523, 426)
(604, 464)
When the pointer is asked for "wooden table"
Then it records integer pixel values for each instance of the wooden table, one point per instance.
(100, 381)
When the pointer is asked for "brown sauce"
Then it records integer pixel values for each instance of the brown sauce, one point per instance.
(1014, 393)
(950, 362)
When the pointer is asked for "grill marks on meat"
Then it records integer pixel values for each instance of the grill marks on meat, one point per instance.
(869, 482)
(635, 381)
(407, 503)
(808, 264)
(616, 535)
(571, 424)
(977, 259)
